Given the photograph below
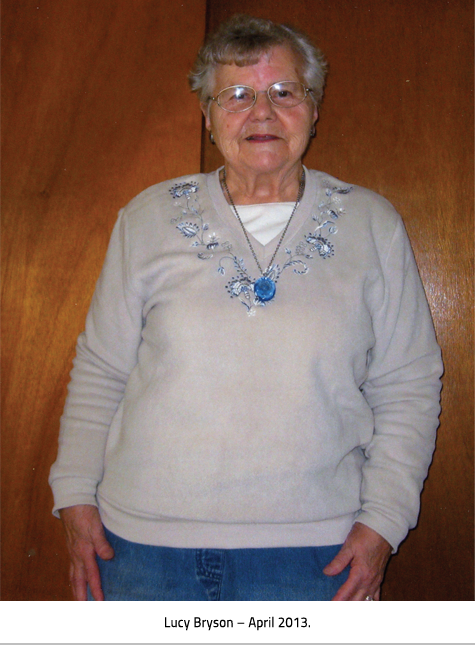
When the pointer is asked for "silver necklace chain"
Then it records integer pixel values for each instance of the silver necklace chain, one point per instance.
(284, 232)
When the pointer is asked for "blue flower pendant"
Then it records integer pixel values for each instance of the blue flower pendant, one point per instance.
(264, 288)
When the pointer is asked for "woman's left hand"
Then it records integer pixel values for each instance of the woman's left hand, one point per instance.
(367, 553)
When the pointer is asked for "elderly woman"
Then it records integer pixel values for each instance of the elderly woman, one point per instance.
(254, 401)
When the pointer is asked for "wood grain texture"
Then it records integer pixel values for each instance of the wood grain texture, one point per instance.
(96, 107)
(398, 118)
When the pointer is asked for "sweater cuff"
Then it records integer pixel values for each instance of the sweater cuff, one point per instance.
(384, 527)
(73, 492)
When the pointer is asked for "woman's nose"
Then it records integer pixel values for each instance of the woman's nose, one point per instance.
(263, 108)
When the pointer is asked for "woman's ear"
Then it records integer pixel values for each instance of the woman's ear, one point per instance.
(205, 110)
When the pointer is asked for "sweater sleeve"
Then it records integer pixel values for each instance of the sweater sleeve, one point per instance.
(106, 353)
(403, 390)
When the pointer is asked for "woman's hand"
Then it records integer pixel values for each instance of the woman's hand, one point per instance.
(85, 537)
(367, 553)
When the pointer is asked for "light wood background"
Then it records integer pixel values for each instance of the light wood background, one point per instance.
(86, 127)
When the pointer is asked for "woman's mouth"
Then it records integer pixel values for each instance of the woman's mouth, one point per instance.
(261, 137)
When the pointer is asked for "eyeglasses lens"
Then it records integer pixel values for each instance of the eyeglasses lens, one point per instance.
(288, 94)
(236, 98)
(283, 94)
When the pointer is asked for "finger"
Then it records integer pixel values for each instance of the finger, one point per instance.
(357, 590)
(339, 562)
(350, 588)
(94, 581)
(351, 592)
(358, 586)
(102, 547)
(104, 550)
(85, 572)
(77, 576)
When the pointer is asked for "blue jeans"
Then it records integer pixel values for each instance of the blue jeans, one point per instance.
(142, 572)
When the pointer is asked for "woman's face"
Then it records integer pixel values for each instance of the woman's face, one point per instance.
(265, 138)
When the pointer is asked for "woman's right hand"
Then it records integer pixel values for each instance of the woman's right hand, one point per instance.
(85, 538)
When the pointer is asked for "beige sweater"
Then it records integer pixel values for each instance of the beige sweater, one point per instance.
(199, 417)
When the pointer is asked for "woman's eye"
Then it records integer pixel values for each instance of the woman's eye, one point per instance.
(242, 95)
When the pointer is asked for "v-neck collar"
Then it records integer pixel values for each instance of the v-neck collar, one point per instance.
(228, 218)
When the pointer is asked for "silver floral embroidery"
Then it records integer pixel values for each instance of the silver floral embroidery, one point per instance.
(241, 285)
(184, 189)
(188, 229)
(329, 211)
(194, 227)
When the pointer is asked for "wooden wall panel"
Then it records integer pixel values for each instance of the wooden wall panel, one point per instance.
(96, 107)
(398, 118)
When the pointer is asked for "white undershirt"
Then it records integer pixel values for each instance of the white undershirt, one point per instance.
(265, 220)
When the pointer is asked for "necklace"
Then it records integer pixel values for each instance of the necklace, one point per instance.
(264, 287)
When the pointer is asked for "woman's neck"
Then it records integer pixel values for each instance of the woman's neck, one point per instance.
(249, 189)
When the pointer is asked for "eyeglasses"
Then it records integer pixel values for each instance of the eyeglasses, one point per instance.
(284, 94)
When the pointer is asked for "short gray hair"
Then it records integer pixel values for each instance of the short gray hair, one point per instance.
(242, 40)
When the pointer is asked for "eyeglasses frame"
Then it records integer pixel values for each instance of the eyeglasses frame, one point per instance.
(256, 92)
